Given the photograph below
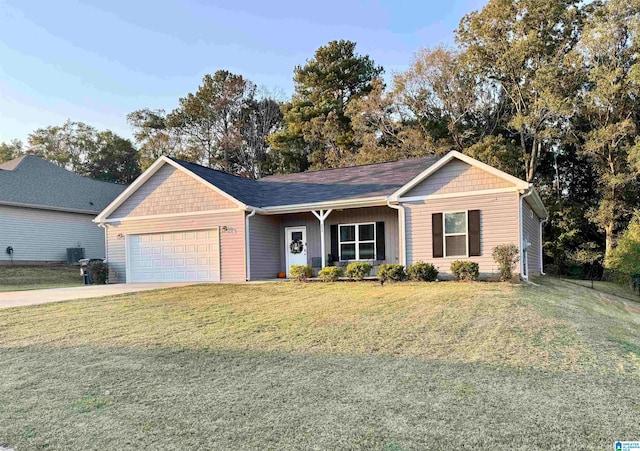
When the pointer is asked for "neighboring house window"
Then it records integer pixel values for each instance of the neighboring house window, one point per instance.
(455, 234)
(357, 241)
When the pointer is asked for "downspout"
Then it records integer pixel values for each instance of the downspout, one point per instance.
(542, 221)
(521, 228)
(106, 245)
(401, 226)
(247, 241)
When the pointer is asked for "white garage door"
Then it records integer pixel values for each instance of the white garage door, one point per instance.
(185, 256)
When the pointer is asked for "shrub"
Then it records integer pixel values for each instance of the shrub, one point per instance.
(465, 270)
(358, 270)
(394, 273)
(506, 256)
(330, 273)
(99, 272)
(623, 262)
(300, 272)
(422, 272)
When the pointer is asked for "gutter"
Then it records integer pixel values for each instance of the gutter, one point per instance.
(247, 242)
(401, 226)
(521, 238)
(349, 203)
(46, 207)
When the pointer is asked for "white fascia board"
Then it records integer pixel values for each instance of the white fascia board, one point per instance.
(350, 203)
(172, 215)
(146, 175)
(458, 194)
(520, 184)
(131, 189)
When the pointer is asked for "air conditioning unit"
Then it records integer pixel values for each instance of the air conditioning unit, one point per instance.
(74, 254)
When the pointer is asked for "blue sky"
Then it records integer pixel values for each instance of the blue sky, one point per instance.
(96, 61)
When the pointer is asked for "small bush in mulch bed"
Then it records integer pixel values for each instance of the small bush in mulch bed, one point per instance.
(422, 272)
(99, 272)
(330, 273)
(300, 272)
(394, 273)
(465, 271)
(358, 270)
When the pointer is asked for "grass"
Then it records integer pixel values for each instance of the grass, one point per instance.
(18, 278)
(324, 366)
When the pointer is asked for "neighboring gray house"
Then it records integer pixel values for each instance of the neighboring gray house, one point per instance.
(183, 222)
(45, 209)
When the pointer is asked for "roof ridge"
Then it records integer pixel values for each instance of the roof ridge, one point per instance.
(177, 160)
(349, 167)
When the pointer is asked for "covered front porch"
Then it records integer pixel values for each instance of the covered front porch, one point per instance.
(322, 237)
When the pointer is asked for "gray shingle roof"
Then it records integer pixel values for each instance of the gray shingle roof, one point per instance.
(372, 180)
(33, 181)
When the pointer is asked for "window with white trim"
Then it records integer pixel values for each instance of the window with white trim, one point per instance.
(357, 241)
(456, 234)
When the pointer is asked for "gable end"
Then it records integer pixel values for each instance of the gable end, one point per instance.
(171, 191)
(457, 177)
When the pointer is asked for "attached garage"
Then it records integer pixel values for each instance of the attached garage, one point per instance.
(183, 256)
(172, 225)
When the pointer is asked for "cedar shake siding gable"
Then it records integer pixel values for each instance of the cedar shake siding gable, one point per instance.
(457, 177)
(168, 191)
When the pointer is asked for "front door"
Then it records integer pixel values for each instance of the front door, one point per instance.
(295, 246)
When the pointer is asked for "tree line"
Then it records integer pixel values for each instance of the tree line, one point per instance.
(545, 90)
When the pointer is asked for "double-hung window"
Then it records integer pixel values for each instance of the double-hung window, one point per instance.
(357, 241)
(456, 234)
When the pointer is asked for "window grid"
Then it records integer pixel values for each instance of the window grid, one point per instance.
(465, 233)
(357, 242)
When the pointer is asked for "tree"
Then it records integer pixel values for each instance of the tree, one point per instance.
(445, 97)
(383, 129)
(10, 150)
(114, 160)
(625, 258)
(210, 118)
(67, 145)
(315, 119)
(521, 47)
(260, 118)
(154, 137)
(608, 50)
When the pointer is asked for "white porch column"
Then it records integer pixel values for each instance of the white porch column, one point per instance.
(322, 215)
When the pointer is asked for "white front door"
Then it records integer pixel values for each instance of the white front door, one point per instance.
(295, 240)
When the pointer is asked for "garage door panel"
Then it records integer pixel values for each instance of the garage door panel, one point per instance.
(174, 256)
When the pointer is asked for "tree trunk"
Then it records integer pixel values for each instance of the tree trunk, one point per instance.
(609, 238)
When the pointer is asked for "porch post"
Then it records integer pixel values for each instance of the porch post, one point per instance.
(322, 215)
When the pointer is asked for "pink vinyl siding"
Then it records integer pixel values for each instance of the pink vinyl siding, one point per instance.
(531, 232)
(456, 177)
(170, 190)
(232, 242)
(498, 225)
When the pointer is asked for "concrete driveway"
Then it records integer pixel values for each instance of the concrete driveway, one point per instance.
(33, 297)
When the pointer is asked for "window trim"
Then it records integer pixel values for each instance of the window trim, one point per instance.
(357, 240)
(445, 234)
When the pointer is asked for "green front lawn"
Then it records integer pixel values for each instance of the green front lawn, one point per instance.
(325, 366)
(18, 278)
